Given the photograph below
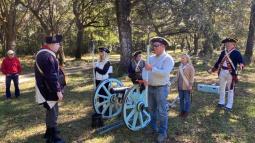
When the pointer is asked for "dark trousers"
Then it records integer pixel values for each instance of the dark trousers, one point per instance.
(101, 92)
(8, 79)
(185, 100)
(52, 117)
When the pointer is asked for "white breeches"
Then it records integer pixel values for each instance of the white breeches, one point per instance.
(226, 81)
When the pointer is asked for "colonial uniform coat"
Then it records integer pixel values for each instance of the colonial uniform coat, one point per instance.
(47, 87)
(47, 78)
(228, 74)
(135, 70)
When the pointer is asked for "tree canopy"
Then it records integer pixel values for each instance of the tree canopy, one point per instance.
(197, 26)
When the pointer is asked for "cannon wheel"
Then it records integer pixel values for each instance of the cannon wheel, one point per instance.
(111, 105)
(134, 111)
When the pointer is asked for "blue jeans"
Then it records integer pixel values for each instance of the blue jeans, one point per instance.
(184, 100)
(8, 79)
(158, 108)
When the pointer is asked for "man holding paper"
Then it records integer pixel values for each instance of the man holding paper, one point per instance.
(158, 68)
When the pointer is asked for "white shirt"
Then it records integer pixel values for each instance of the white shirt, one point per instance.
(101, 66)
(161, 67)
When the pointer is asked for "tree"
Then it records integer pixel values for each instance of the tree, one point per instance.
(8, 23)
(88, 14)
(50, 16)
(250, 40)
(123, 9)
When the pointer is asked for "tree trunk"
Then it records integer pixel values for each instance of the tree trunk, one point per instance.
(61, 55)
(250, 40)
(207, 46)
(182, 45)
(123, 8)
(196, 38)
(79, 43)
(188, 44)
(11, 27)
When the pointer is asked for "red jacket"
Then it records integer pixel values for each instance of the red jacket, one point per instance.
(11, 66)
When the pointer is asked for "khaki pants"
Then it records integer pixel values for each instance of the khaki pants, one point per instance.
(226, 81)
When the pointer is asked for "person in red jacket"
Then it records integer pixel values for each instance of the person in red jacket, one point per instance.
(11, 68)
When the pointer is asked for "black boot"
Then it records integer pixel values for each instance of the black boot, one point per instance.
(46, 134)
(53, 136)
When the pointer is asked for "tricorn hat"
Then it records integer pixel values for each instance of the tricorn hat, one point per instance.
(53, 39)
(160, 40)
(104, 49)
(229, 40)
(136, 53)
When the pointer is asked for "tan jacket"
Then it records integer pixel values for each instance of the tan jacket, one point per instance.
(189, 73)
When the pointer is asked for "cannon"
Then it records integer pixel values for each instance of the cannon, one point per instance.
(112, 98)
(130, 101)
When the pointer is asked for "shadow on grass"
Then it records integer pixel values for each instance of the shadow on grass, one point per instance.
(209, 124)
(24, 114)
(206, 123)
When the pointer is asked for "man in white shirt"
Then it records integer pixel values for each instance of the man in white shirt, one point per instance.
(159, 67)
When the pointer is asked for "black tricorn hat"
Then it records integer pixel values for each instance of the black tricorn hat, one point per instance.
(160, 40)
(53, 39)
(229, 40)
(136, 53)
(104, 49)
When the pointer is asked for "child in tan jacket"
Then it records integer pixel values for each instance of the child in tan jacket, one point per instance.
(185, 80)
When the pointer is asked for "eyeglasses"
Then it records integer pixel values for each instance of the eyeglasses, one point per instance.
(156, 45)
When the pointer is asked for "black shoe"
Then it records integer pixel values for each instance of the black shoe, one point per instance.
(47, 133)
(185, 114)
(220, 105)
(181, 114)
(53, 136)
(161, 138)
(7, 98)
(228, 109)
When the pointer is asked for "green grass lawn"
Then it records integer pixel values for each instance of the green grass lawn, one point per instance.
(22, 120)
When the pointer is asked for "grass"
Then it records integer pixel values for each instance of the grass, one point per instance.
(22, 120)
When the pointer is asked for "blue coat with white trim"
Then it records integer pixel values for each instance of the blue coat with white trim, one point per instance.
(236, 58)
(47, 82)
